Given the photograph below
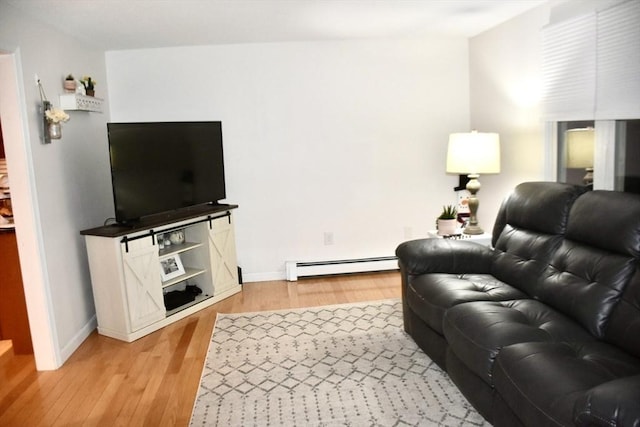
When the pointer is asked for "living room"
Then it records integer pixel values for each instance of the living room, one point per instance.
(410, 91)
(346, 137)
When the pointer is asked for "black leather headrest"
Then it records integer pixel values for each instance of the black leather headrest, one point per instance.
(608, 220)
(538, 206)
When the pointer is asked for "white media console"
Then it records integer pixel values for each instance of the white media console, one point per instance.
(129, 287)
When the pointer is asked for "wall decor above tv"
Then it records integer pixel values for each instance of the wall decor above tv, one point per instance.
(159, 167)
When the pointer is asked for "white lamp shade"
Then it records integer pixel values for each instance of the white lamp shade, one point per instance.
(579, 147)
(473, 153)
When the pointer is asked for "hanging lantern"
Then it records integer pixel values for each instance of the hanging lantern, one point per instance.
(52, 118)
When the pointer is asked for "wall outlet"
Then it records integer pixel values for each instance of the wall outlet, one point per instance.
(328, 238)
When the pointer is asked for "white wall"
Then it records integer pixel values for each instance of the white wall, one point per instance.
(505, 85)
(67, 182)
(347, 137)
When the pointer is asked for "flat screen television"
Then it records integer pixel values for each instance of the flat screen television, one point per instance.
(158, 167)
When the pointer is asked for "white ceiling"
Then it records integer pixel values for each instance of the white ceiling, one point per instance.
(130, 24)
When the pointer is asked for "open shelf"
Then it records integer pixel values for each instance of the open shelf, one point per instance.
(198, 300)
(176, 249)
(188, 274)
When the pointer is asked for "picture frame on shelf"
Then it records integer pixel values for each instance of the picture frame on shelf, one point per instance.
(171, 267)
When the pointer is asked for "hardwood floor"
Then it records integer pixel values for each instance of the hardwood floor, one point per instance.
(153, 381)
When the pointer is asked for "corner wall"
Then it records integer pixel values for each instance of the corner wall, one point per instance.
(505, 86)
(66, 183)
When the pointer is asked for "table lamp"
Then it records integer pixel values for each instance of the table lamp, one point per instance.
(580, 143)
(472, 154)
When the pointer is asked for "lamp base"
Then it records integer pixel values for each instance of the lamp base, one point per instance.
(473, 186)
(473, 229)
(588, 177)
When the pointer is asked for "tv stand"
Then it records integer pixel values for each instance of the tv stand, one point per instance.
(125, 262)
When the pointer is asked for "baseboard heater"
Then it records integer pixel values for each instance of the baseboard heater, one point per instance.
(295, 269)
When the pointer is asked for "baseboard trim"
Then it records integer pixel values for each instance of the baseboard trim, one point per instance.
(296, 269)
(78, 339)
(263, 277)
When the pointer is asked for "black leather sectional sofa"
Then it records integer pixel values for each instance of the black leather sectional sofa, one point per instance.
(543, 330)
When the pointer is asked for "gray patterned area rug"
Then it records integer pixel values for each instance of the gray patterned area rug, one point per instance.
(341, 365)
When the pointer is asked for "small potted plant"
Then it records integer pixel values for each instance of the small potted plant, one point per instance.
(447, 222)
(69, 83)
(89, 85)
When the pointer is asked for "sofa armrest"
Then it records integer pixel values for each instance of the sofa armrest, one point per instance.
(443, 256)
(615, 403)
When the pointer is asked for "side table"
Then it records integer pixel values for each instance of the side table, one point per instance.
(481, 239)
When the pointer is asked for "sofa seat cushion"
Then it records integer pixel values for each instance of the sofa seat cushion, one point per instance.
(477, 331)
(541, 382)
(430, 295)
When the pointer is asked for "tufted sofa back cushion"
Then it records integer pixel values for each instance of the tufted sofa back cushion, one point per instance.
(528, 229)
(607, 219)
(521, 255)
(623, 328)
(590, 273)
(537, 206)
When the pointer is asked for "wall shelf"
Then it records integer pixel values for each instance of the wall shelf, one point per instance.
(77, 102)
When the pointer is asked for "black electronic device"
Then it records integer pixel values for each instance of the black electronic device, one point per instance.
(159, 167)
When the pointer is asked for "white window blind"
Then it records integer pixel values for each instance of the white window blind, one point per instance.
(591, 65)
(569, 69)
(618, 62)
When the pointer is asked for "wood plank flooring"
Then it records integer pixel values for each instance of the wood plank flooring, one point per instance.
(153, 381)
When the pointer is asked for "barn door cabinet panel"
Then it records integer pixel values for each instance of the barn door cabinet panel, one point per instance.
(222, 249)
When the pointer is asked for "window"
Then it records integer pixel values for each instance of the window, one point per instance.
(576, 152)
(591, 80)
(615, 154)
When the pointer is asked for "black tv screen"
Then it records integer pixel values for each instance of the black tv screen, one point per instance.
(158, 167)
